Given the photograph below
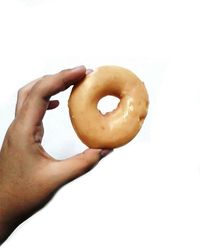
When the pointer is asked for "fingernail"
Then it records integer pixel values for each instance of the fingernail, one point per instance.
(88, 71)
(105, 152)
(78, 68)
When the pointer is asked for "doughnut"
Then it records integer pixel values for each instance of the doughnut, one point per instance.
(116, 128)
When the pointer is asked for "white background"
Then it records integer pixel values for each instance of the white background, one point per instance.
(145, 195)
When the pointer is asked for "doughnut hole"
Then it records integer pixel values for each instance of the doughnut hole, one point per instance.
(108, 104)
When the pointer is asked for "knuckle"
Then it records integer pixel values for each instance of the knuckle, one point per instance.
(63, 71)
(44, 77)
(16, 134)
(10, 134)
(85, 160)
(21, 91)
(13, 129)
(37, 87)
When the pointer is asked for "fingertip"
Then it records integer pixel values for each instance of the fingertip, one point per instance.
(89, 71)
(105, 152)
(92, 153)
(74, 167)
(72, 76)
(53, 104)
(100, 153)
(80, 68)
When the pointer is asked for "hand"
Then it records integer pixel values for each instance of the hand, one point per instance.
(29, 176)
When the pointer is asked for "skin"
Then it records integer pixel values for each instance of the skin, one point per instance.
(29, 176)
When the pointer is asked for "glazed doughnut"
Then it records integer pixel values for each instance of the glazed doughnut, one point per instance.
(115, 128)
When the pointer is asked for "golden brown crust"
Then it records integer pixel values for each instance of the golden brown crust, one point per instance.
(118, 127)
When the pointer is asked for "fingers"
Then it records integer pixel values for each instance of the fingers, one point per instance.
(23, 94)
(51, 85)
(72, 168)
(37, 101)
(53, 104)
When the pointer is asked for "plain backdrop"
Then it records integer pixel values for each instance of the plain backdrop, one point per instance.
(145, 195)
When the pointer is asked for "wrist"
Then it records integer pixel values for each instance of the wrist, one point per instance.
(5, 231)
(6, 228)
(7, 222)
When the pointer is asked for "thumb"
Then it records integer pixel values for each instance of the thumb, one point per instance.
(67, 170)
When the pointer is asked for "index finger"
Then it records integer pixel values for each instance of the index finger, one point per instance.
(37, 102)
(23, 93)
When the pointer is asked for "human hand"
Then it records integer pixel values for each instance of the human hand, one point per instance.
(29, 176)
